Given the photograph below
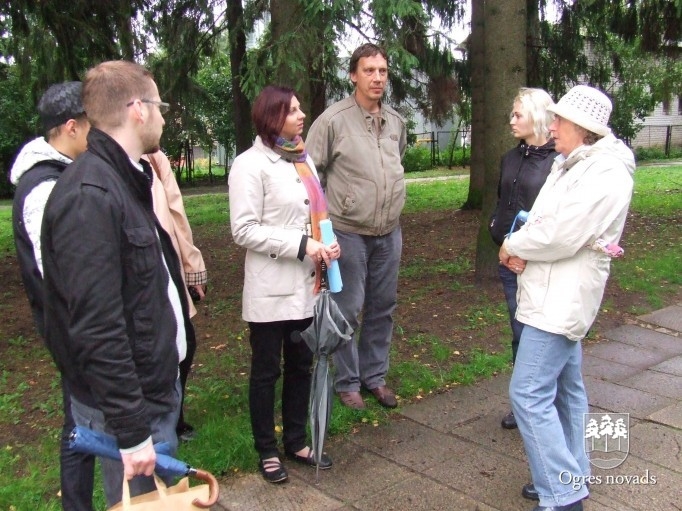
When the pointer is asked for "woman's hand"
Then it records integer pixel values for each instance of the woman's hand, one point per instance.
(515, 264)
(319, 252)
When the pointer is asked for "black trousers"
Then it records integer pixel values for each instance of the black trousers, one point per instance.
(185, 367)
(270, 342)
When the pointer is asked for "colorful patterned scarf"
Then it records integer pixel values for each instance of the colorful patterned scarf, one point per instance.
(294, 152)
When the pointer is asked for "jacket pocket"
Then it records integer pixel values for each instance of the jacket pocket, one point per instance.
(142, 256)
(359, 203)
(271, 277)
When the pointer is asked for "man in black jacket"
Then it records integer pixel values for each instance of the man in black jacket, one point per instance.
(115, 306)
(35, 172)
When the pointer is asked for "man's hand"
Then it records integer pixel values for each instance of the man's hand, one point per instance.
(200, 290)
(141, 462)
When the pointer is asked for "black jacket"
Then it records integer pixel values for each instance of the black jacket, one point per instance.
(48, 170)
(523, 171)
(109, 323)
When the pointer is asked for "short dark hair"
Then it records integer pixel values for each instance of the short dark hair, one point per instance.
(53, 133)
(270, 110)
(366, 50)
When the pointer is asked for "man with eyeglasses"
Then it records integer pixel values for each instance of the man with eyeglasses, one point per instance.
(115, 306)
(357, 145)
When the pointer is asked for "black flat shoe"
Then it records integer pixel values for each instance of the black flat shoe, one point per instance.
(576, 506)
(325, 461)
(529, 492)
(279, 475)
(509, 421)
(185, 432)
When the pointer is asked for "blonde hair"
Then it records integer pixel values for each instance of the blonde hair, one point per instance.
(109, 86)
(535, 102)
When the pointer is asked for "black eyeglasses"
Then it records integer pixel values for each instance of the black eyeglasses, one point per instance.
(163, 107)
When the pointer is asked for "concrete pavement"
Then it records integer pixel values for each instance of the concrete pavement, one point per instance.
(448, 452)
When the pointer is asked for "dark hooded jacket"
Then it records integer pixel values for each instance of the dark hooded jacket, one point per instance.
(523, 171)
(36, 164)
(109, 323)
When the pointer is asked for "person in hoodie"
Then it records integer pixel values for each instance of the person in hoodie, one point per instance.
(34, 173)
(561, 285)
(523, 171)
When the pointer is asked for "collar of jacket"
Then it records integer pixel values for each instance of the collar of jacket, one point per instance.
(533, 150)
(106, 148)
(369, 118)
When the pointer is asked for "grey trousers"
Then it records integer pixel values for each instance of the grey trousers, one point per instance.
(369, 269)
(163, 430)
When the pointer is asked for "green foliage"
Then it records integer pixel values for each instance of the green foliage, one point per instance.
(436, 195)
(657, 192)
(417, 158)
(216, 109)
(647, 154)
(450, 268)
(18, 119)
(651, 264)
(6, 233)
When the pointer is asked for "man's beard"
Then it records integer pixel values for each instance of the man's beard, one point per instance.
(151, 144)
(151, 149)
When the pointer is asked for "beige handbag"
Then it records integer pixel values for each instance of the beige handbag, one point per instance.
(180, 497)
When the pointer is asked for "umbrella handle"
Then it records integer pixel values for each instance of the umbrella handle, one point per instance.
(213, 488)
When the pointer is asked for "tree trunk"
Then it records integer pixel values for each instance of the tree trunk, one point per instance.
(299, 50)
(477, 59)
(505, 71)
(533, 43)
(242, 105)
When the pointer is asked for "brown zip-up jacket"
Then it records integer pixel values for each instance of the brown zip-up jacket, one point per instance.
(361, 172)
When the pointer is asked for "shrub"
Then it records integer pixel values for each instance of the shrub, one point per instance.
(417, 159)
(461, 157)
(656, 153)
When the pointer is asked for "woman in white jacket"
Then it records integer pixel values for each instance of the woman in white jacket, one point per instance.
(276, 203)
(561, 284)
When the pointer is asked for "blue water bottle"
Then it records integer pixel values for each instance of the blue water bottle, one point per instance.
(333, 273)
(521, 216)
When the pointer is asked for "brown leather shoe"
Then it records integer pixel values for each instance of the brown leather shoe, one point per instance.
(352, 400)
(385, 396)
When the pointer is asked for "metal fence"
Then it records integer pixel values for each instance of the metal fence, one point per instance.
(663, 137)
(442, 144)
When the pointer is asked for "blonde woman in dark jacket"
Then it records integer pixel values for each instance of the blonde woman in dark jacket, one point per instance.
(523, 171)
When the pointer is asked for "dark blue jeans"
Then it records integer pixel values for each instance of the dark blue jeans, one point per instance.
(270, 342)
(163, 430)
(77, 470)
(510, 286)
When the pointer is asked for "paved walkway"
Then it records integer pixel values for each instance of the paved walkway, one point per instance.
(448, 452)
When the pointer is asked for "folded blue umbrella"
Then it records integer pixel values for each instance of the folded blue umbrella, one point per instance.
(101, 444)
